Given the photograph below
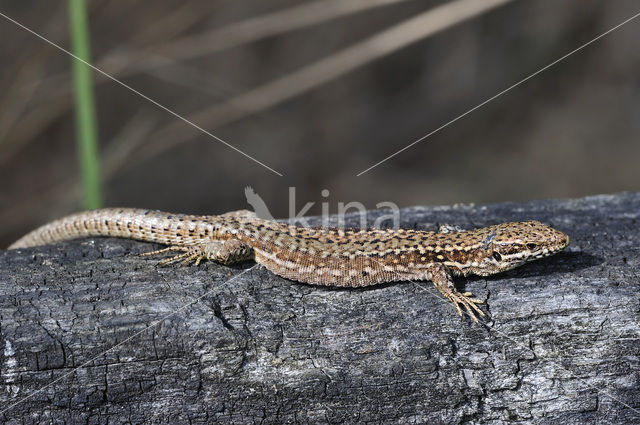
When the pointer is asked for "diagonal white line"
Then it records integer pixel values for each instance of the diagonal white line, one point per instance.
(501, 93)
(175, 114)
(151, 325)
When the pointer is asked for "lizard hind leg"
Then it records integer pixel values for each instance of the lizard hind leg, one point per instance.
(225, 252)
(228, 252)
(189, 254)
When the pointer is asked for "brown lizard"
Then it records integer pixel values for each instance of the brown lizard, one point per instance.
(332, 257)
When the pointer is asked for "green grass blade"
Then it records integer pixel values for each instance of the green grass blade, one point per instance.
(85, 112)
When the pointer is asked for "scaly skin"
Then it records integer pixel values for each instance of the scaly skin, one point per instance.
(331, 257)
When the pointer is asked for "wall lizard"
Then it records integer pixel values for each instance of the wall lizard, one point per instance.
(331, 257)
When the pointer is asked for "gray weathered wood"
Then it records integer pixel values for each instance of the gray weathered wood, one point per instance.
(92, 333)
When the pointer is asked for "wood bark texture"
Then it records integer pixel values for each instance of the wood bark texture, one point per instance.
(92, 333)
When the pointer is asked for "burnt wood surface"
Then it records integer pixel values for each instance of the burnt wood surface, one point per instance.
(92, 333)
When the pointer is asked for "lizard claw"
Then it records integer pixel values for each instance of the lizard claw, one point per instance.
(468, 303)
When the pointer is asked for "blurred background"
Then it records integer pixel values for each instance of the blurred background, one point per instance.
(320, 91)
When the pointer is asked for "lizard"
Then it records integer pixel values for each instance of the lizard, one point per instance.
(320, 256)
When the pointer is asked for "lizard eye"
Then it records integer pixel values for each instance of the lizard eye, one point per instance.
(497, 256)
(531, 246)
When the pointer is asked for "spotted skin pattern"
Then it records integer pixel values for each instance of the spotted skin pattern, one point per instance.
(331, 257)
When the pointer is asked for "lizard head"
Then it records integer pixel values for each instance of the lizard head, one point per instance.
(510, 245)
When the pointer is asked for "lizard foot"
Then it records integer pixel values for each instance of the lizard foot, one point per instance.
(189, 254)
(467, 302)
(224, 252)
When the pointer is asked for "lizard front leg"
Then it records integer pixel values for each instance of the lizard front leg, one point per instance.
(225, 252)
(442, 280)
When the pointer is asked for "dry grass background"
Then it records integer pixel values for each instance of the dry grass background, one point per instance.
(241, 69)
